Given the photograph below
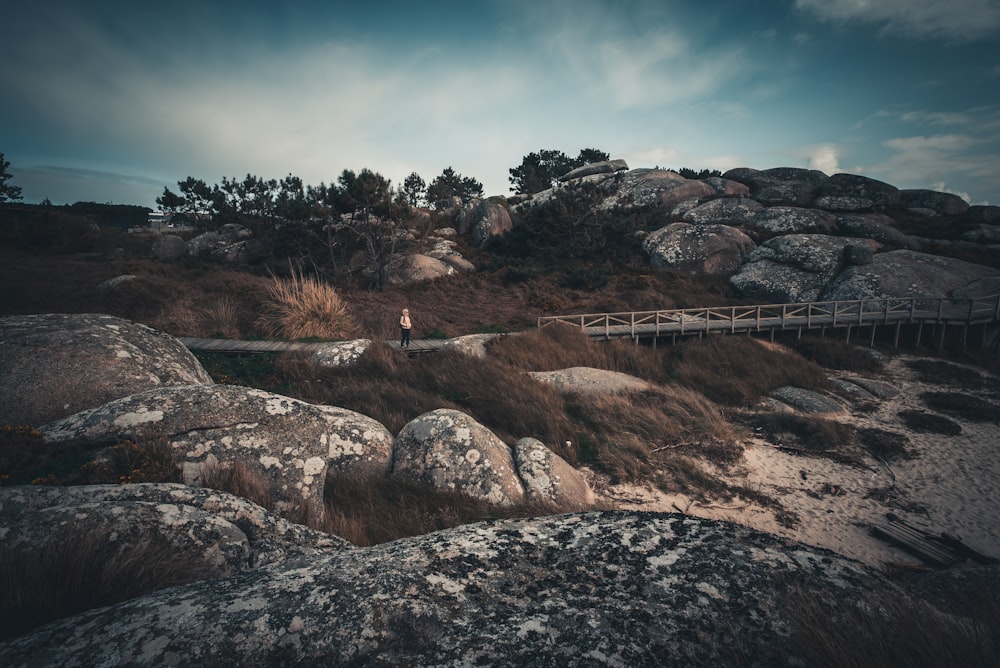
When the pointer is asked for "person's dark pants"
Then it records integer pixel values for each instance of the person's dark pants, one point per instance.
(404, 338)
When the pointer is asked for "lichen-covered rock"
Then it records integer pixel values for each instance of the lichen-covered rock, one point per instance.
(875, 226)
(620, 589)
(905, 273)
(449, 450)
(54, 365)
(271, 538)
(218, 546)
(287, 442)
(983, 213)
(943, 203)
(710, 250)
(983, 234)
(549, 479)
(792, 220)
(792, 268)
(853, 192)
(781, 185)
(724, 211)
(727, 187)
(641, 187)
(587, 380)
(339, 353)
(605, 167)
(808, 401)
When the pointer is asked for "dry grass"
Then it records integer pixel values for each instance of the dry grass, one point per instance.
(80, 569)
(893, 631)
(304, 307)
(738, 371)
(369, 511)
(238, 479)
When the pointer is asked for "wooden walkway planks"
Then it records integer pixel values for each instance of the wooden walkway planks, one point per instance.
(236, 346)
(776, 317)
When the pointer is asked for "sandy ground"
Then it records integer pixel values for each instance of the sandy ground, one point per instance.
(952, 485)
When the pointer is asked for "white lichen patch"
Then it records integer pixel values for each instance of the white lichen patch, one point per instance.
(267, 462)
(141, 416)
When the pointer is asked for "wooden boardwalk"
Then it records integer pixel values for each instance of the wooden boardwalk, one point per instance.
(236, 346)
(770, 318)
(778, 317)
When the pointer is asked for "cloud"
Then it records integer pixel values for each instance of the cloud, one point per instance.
(825, 158)
(936, 118)
(933, 143)
(952, 20)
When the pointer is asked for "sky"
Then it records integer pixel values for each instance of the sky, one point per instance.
(112, 101)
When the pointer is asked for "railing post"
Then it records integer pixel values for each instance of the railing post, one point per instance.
(732, 320)
(940, 309)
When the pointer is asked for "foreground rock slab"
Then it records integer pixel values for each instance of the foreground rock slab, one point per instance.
(626, 589)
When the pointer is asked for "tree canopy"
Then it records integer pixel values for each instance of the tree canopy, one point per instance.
(452, 184)
(8, 192)
(539, 171)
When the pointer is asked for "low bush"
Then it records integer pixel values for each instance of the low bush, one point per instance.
(962, 406)
(809, 433)
(929, 423)
(833, 354)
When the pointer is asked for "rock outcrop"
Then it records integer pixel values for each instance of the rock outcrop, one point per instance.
(55, 365)
(635, 589)
(698, 249)
(905, 273)
(586, 380)
(792, 268)
(483, 220)
(287, 442)
(548, 479)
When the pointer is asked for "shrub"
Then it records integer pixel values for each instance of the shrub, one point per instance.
(805, 432)
(303, 307)
(928, 423)
(962, 406)
(833, 354)
(888, 445)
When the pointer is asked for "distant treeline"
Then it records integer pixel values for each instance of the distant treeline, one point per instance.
(121, 216)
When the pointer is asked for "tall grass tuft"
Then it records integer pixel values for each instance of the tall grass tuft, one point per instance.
(302, 307)
(238, 479)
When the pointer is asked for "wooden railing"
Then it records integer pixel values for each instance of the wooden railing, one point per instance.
(807, 315)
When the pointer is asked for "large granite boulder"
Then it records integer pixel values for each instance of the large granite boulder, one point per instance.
(790, 186)
(548, 479)
(982, 213)
(605, 167)
(587, 380)
(169, 247)
(642, 187)
(945, 204)
(877, 227)
(449, 450)
(338, 354)
(698, 249)
(614, 588)
(271, 538)
(482, 220)
(905, 273)
(55, 365)
(793, 268)
(852, 192)
(416, 268)
(724, 211)
(727, 187)
(792, 220)
(286, 442)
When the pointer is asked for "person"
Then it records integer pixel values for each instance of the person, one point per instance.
(404, 327)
